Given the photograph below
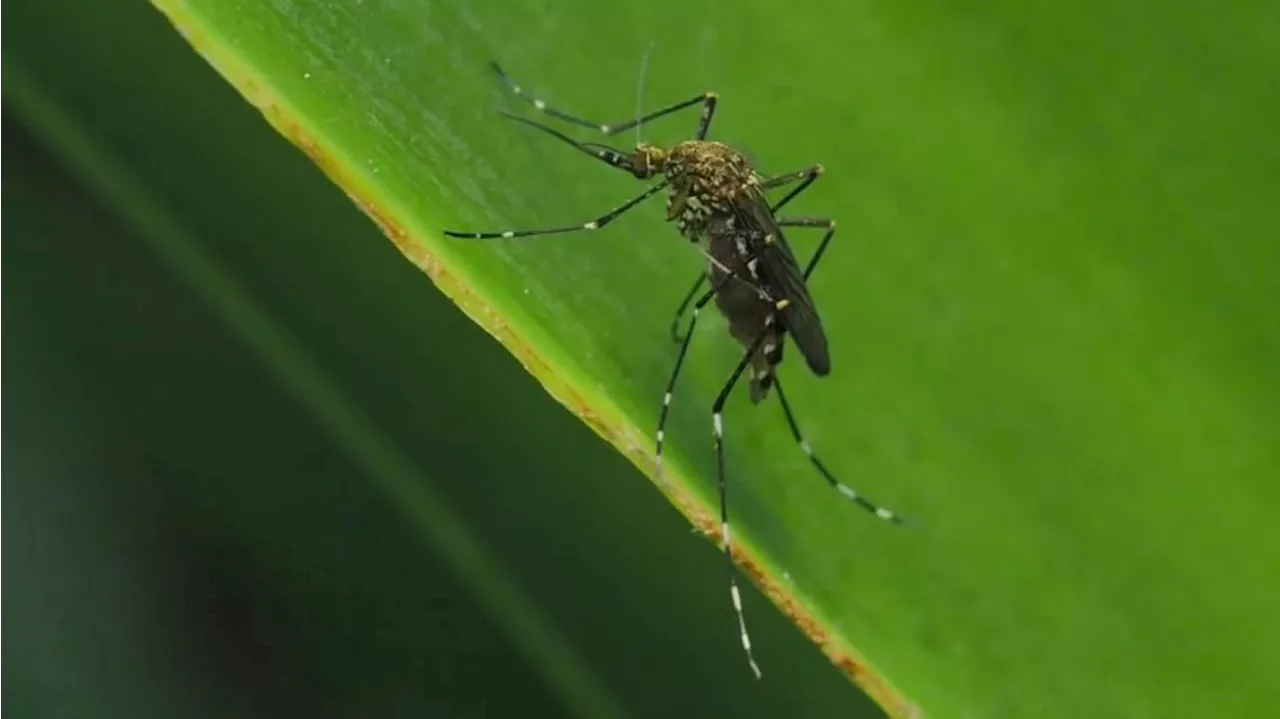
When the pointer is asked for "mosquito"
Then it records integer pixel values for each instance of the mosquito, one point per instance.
(717, 200)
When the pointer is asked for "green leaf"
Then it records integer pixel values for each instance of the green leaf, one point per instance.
(1051, 306)
(155, 285)
(130, 351)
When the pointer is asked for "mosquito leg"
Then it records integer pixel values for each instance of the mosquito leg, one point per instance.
(684, 305)
(805, 177)
(675, 372)
(595, 224)
(717, 423)
(846, 490)
(821, 223)
(706, 99)
(603, 153)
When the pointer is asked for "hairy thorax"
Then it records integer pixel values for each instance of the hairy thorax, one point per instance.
(704, 178)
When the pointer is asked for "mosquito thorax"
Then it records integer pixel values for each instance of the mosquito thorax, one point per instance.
(703, 179)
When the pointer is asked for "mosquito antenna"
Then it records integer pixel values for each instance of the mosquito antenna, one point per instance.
(644, 68)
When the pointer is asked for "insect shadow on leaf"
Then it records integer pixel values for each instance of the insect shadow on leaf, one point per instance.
(717, 200)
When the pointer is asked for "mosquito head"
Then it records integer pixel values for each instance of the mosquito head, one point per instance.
(648, 161)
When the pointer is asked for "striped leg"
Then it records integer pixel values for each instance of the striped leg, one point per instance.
(820, 223)
(846, 490)
(706, 99)
(684, 305)
(717, 425)
(671, 382)
(595, 224)
(805, 177)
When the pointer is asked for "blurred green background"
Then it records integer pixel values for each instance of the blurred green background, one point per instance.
(189, 531)
(264, 467)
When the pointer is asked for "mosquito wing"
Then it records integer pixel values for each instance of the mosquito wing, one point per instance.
(784, 278)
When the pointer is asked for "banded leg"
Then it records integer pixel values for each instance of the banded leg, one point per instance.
(881, 512)
(706, 99)
(595, 224)
(603, 153)
(717, 424)
(675, 372)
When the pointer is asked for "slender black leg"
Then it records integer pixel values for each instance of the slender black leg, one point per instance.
(818, 223)
(846, 490)
(717, 423)
(684, 305)
(806, 177)
(595, 224)
(607, 155)
(675, 372)
(706, 99)
(881, 512)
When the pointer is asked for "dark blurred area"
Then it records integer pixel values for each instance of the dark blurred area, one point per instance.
(179, 539)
